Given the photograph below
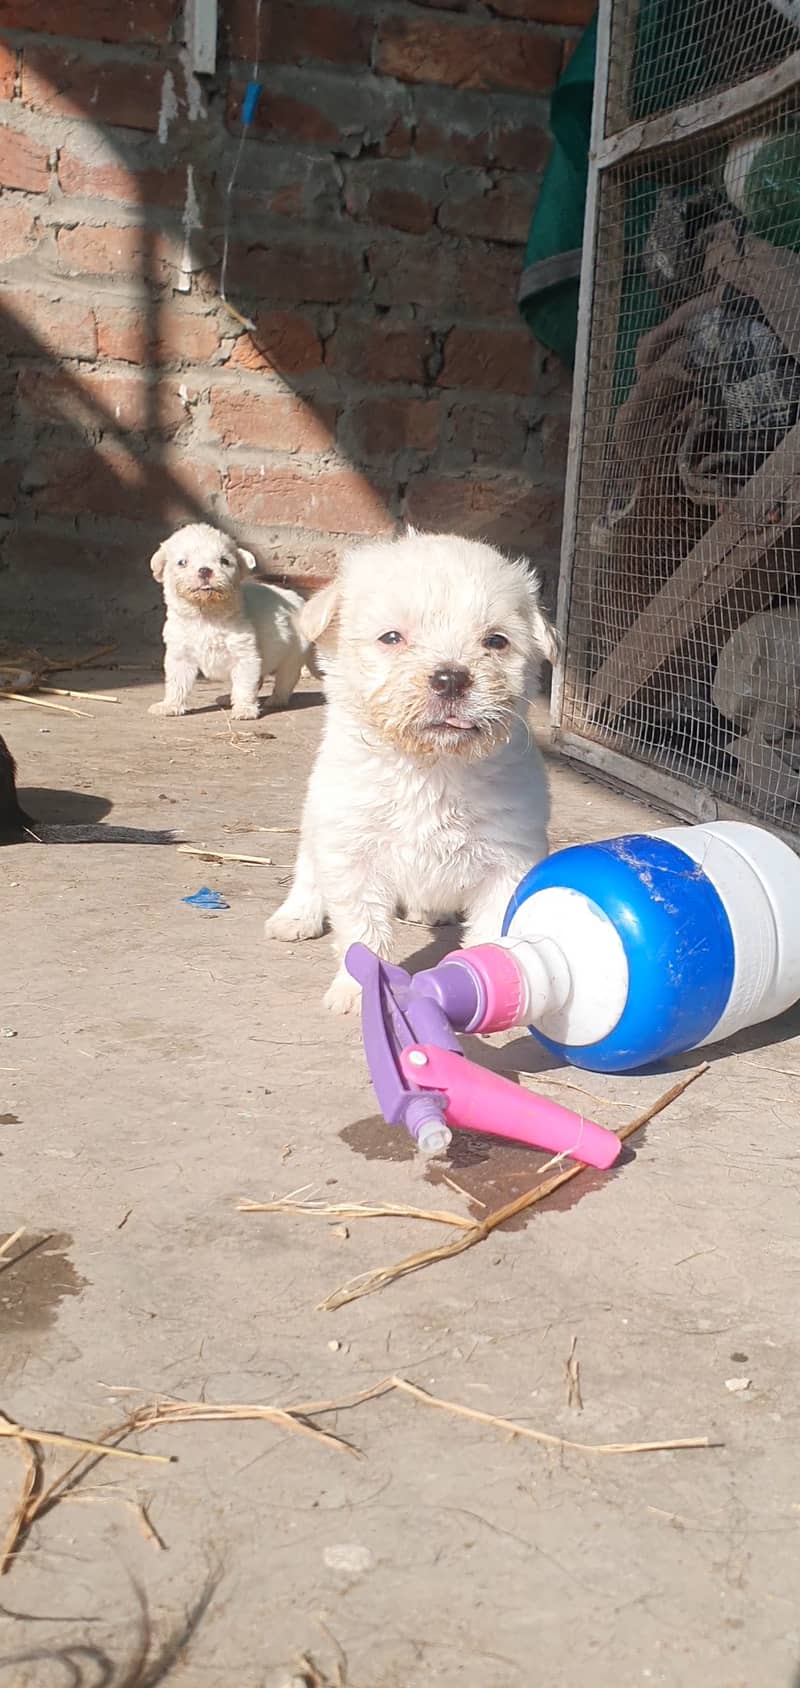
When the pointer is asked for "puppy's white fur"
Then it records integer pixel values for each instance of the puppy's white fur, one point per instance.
(432, 803)
(222, 625)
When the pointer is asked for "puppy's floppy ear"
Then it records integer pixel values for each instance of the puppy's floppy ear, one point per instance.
(247, 562)
(158, 562)
(319, 614)
(541, 626)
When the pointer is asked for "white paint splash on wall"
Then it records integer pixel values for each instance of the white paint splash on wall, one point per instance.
(169, 106)
(190, 221)
(194, 91)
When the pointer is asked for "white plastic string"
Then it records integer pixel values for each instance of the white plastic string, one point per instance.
(248, 110)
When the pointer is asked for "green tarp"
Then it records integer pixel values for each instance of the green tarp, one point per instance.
(548, 296)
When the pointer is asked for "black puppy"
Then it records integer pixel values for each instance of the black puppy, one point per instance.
(14, 823)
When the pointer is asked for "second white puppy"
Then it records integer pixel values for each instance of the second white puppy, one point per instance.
(428, 791)
(222, 625)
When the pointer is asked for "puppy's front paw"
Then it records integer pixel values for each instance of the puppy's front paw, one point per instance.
(245, 712)
(165, 708)
(343, 996)
(292, 926)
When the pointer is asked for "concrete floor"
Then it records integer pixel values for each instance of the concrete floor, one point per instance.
(166, 1062)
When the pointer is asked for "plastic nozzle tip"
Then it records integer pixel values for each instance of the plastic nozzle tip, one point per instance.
(433, 1138)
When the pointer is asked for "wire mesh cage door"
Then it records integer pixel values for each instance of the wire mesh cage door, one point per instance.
(679, 603)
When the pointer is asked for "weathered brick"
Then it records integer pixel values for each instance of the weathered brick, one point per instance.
(386, 195)
(109, 250)
(479, 433)
(103, 400)
(23, 163)
(498, 211)
(451, 281)
(276, 421)
(29, 550)
(343, 113)
(492, 360)
(170, 335)
(8, 70)
(468, 55)
(505, 508)
(10, 475)
(445, 5)
(555, 380)
(297, 272)
(333, 501)
(381, 427)
(34, 325)
(297, 34)
(285, 556)
(131, 21)
(108, 481)
(20, 230)
(554, 434)
(330, 34)
(8, 388)
(283, 340)
(285, 116)
(398, 140)
(64, 85)
(379, 350)
(443, 140)
(401, 208)
(292, 183)
(126, 186)
(519, 145)
(568, 14)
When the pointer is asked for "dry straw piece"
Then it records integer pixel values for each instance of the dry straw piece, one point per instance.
(6, 1247)
(44, 703)
(35, 1501)
(223, 856)
(353, 1210)
(473, 1231)
(89, 697)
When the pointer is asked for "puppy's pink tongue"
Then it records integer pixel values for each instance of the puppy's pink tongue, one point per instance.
(453, 721)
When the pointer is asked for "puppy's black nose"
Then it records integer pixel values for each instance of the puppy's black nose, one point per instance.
(204, 574)
(450, 682)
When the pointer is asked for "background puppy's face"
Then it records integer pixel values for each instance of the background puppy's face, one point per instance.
(433, 642)
(199, 565)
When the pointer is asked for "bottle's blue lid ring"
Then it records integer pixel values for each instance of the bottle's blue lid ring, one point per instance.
(676, 937)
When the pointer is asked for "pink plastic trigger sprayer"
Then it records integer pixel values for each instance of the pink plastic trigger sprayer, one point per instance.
(423, 1080)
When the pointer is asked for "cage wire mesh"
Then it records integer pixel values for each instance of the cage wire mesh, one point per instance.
(665, 53)
(683, 630)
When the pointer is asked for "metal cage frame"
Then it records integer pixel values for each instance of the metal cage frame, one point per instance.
(612, 144)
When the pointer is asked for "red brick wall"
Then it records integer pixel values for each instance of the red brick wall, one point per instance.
(378, 221)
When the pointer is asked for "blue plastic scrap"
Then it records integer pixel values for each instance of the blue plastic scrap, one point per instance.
(204, 898)
(251, 99)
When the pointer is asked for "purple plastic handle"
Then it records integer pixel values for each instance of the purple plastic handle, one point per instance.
(393, 1018)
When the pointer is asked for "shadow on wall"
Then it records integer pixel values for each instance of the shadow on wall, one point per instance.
(133, 401)
(84, 461)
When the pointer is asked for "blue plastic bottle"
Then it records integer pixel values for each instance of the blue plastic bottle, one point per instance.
(646, 946)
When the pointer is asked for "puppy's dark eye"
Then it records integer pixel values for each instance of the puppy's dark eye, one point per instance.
(495, 642)
(180, 562)
(391, 639)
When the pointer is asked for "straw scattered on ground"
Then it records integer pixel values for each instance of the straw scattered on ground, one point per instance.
(473, 1231)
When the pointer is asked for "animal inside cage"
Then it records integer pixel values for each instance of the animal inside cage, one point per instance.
(680, 594)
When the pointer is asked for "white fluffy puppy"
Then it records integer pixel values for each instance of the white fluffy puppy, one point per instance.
(223, 626)
(427, 791)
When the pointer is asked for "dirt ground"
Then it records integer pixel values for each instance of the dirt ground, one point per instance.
(165, 1062)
